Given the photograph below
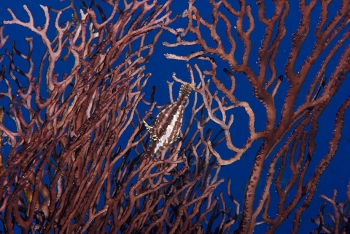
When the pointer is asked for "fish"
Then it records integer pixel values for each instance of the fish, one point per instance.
(167, 126)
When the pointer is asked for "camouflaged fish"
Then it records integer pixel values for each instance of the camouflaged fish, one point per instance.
(166, 128)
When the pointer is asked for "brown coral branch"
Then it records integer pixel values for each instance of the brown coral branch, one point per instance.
(77, 161)
(292, 137)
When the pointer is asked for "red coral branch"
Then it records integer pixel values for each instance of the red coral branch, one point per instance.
(293, 135)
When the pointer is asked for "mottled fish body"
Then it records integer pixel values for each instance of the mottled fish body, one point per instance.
(166, 128)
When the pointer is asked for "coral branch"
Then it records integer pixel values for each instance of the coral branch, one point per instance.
(292, 137)
(76, 155)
